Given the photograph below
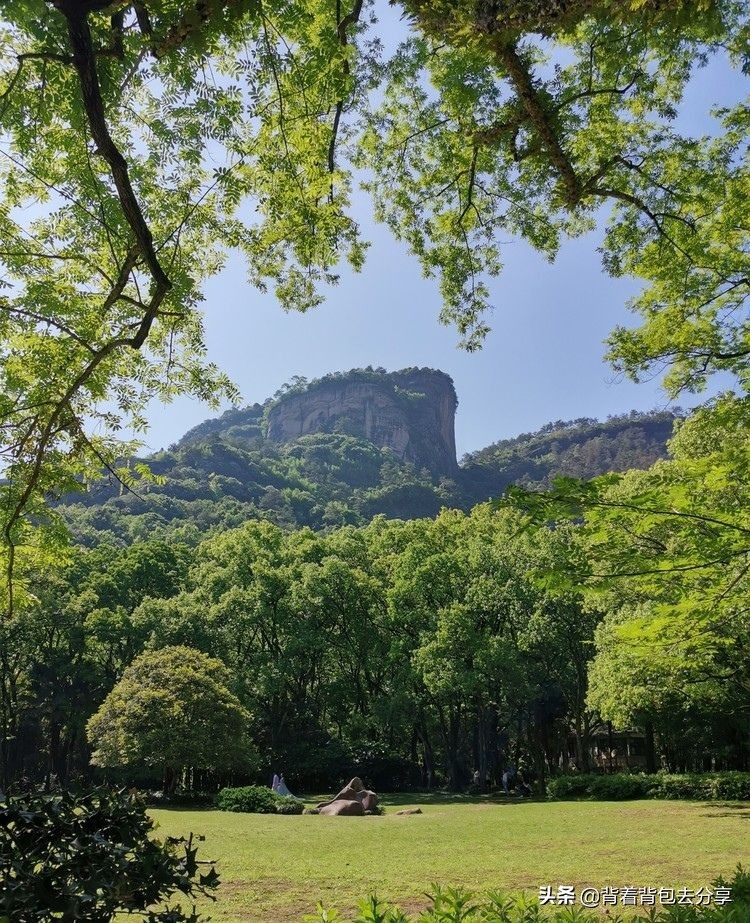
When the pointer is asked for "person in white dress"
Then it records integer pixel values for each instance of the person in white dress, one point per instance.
(281, 788)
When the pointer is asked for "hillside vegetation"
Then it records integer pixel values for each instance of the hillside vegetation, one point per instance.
(226, 470)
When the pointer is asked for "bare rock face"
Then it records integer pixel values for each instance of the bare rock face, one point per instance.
(354, 800)
(411, 412)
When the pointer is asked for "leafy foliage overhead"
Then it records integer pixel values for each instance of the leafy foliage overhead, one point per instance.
(143, 141)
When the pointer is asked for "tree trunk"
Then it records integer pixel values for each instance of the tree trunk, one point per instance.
(482, 762)
(427, 751)
(648, 729)
(451, 735)
(169, 780)
(586, 745)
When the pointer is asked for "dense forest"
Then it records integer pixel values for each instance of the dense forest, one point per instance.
(317, 591)
(412, 653)
(354, 626)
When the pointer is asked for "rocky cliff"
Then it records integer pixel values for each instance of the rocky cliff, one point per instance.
(322, 465)
(411, 412)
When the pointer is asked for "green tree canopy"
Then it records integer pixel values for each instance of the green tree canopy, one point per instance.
(667, 555)
(171, 709)
(144, 140)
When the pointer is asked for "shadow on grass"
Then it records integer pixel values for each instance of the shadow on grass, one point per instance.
(387, 800)
(178, 809)
(420, 798)
(739, 809)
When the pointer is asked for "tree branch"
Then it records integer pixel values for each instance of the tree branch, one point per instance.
(537, 114)
(84, 62)
(342, 26)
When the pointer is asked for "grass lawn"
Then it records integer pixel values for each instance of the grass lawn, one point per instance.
(276, 868)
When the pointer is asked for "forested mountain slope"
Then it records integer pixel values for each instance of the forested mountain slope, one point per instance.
(371, 443)
(582, 448)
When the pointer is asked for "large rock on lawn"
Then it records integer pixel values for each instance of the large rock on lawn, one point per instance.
(341, 807)
(354, 792)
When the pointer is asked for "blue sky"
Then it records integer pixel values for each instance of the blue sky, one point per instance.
(543, 360)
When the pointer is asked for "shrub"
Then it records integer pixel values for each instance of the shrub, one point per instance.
(456, 905)
(732, 786)
(287, 805)
(713, 786)
(562, 788)
(249, 799)
(90, 857)
(620, 787)
(257, 799)
(739, 884)
(681, 786)
(617, 787)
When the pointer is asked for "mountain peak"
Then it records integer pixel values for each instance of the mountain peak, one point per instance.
(410, 412)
